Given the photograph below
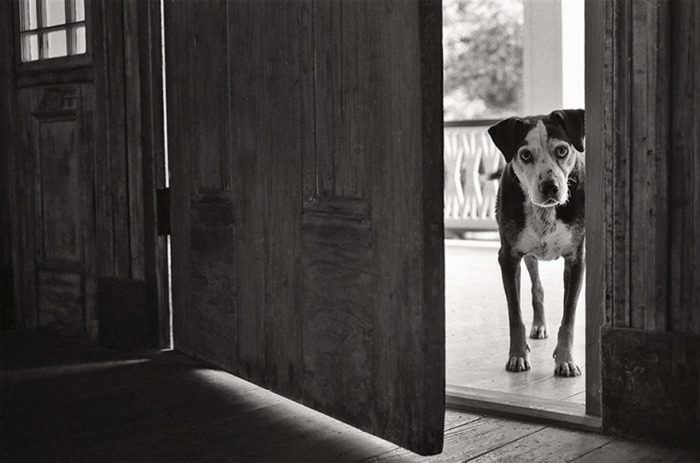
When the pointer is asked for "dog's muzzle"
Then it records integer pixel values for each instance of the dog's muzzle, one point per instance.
(549, 193)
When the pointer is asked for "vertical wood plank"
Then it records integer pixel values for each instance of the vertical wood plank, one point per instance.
(682, 161)
(694, 258)
(409, 100)
(155, 246)
(134, 139)
(685, 170)
(204, 234)
(101, 155)
(116, 136)
(598, 32)
(8, 303)
(650, 95)
(250, 141)
(621, 167)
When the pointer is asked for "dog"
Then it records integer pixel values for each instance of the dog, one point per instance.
(540, 215)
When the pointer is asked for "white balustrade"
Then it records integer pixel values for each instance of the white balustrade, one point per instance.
(470, 156)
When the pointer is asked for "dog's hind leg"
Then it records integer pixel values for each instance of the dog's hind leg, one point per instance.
(573, 277)
(510, 271)
(539, 323)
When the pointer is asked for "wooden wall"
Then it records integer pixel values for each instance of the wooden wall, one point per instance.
(649, 174)
(86, 160)
(7, 304)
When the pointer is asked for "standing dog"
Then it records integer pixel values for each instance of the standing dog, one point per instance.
(540, 214)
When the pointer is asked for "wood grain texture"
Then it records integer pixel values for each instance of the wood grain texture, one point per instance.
(547, 445)
(326, 283)
(598, 240)
(618, 451)
(82, 176)
(650, 385)
(685, 170)
(8, 312)
(620, 126)
(53, 180)
(649, 146)
(653, 206)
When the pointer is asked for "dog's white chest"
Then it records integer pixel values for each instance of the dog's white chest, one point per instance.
(543, 236)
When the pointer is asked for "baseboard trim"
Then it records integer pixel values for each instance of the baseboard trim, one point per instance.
(568, 414)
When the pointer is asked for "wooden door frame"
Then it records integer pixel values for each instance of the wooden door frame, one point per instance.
(598, 182)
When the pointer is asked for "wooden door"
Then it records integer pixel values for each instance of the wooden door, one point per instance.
(306, 154)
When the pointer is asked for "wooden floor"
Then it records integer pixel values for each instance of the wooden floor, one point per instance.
(65, 401)
(477, 337)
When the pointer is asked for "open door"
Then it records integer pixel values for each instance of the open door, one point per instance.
(306, 154)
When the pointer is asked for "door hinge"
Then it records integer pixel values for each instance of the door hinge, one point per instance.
(163, 211)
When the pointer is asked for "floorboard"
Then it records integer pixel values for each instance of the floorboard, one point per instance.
(618, 450)
(66, 401)
(548, 444)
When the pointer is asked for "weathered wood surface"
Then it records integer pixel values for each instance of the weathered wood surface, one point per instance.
(8, 314)
(653, 393)
(598, 162)
(651, 210)
(84, 169)
(654, 205)
(308, 223)
(73, 401)
(685, 170)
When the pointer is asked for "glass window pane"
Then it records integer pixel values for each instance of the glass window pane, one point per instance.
(78, 10)
(30, 47)
(27, 14)
(54, 12)
(78, 38)
(55, 44)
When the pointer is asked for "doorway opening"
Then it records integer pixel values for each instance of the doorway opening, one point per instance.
(503, 58)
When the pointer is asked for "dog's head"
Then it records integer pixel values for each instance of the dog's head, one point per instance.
(543, 151)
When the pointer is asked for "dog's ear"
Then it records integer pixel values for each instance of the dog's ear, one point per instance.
(573, 122)
(507, 135)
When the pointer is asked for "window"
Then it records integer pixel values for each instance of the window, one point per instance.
(51, 29)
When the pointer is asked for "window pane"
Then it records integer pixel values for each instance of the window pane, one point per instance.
(27, 14)
(78, 10)
(30, 47)
(78, 38)
(54, 12)
(55, 44)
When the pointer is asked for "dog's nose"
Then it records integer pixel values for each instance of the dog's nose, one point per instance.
(549, 188)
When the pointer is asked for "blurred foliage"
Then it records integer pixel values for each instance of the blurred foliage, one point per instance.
(483, 53)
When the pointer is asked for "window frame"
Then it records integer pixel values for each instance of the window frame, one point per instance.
(56, 63)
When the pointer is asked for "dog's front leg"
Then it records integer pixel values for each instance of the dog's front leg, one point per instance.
(573, 277)
(510, 271)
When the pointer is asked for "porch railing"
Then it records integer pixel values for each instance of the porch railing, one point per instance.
(470, 155)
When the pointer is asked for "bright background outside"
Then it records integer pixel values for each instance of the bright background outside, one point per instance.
(501, 58)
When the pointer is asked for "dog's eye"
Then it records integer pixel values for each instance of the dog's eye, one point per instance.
(561, 151)
(526, 156)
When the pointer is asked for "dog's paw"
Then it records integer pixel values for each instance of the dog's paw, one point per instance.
(567, 369)
(517, 364)
(565, 364)
(538, 331)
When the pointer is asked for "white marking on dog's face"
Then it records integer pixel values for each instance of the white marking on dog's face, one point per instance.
(543, 165)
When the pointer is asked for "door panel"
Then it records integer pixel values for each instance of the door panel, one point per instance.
(57, 168)
(306, 155)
